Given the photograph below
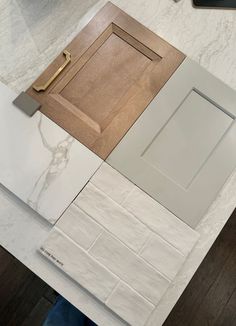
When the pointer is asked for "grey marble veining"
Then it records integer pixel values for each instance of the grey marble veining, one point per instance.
(39, 160)
(60, 156)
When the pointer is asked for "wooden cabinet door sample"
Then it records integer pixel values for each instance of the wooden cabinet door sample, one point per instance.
(110, 73)
(183, 147)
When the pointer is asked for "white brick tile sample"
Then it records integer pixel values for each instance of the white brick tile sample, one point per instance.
(129, 267)
(113, 217)
(129, 305)
(162, 256)
(161, 221)
(113, 183)
(76, 263)
(131, 247)
(79, 227)
(41, 163)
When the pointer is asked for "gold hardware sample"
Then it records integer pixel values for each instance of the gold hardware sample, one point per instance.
(57, 73)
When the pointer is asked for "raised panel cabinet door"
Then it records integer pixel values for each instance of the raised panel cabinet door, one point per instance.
(183, 147)
(105, 78)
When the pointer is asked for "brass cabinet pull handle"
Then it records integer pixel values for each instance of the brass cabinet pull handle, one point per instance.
(57, 73)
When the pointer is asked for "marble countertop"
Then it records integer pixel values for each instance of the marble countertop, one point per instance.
(207, 36)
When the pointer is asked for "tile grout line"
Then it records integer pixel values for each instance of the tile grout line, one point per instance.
(84, 251)
(94, 242)
(135, 186)
(122, 177)
(112, 291)
(158, 233)
(127, 247)
(137, 254)
(131, 213)
(125, 199)
(135, 291)
(144, 244)
(164, 275)
(99, 263)
(104, 228)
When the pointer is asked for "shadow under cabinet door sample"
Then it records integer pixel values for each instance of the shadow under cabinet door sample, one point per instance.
(107, 76)
(183, 148)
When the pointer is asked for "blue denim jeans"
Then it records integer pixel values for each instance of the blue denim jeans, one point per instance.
(64, 314)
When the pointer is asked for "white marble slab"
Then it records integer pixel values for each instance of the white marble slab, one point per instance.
(58, 19)
(207, 36)
(32, 34)
(41, 163)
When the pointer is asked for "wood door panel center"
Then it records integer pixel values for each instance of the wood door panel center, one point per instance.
(101, 83)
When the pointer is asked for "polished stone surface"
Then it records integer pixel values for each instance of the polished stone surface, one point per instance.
(207, 36)
(32, 33)
(41, 163)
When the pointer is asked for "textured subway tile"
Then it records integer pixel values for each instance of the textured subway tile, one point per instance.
(164, 257)
(135, 246)
(79, 226)
(113, 217)
(111, 182)
(161, 221)
(129, 305)
(129, 267)
(79, 265)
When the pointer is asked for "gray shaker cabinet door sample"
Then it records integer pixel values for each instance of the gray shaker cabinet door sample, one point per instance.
(183, 147)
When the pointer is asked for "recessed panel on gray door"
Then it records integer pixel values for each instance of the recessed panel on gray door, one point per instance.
(183, 147)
